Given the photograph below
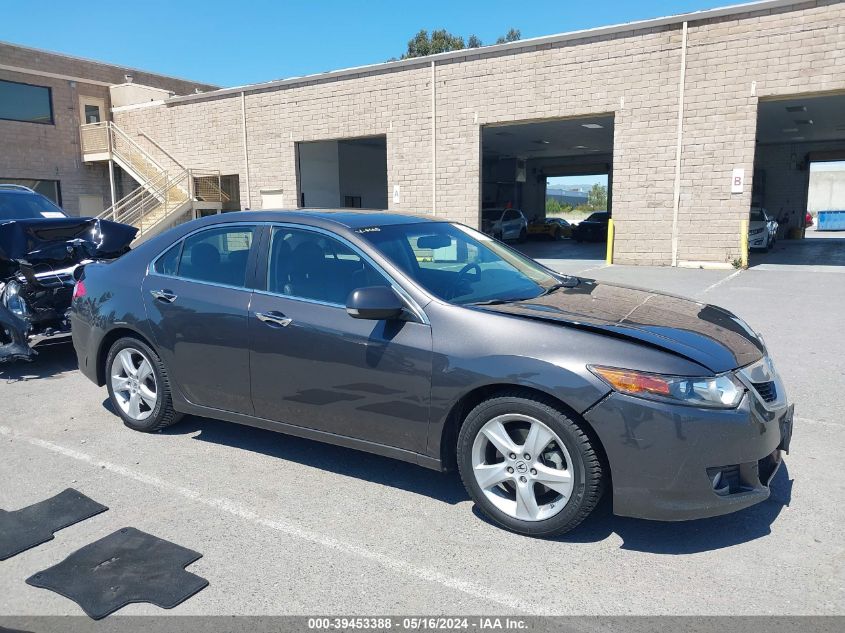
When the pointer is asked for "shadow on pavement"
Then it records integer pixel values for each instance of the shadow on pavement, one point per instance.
(445, 487)
(655, 537)
(51, 362)
(822, 250)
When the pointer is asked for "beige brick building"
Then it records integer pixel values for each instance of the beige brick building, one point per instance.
(46, 153)
(695, 118)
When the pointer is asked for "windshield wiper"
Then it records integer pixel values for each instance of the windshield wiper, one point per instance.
(571, 282)
(495, 302)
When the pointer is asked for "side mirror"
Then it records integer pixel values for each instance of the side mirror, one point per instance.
(375, 303)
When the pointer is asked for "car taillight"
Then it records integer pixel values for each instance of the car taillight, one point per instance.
(78, 289)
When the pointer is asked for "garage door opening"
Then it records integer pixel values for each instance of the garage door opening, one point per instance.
(799, 169)
(345, 173)
(558, 170)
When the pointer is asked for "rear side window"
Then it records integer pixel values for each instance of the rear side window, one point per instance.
(217, 255)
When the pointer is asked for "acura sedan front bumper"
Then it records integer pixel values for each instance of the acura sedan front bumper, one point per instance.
(673, 462)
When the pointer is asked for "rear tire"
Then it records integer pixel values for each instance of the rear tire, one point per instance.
(138, 386)
(503, 486)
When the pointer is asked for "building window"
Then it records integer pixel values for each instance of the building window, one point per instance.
(47, 188)
(352, 202)
(24, 102)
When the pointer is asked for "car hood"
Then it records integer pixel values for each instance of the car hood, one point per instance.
(756, 224)
(59, 241)
(703, 333)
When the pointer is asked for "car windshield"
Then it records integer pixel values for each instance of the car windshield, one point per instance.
(757, 215)
(26, 206)
(461, 265)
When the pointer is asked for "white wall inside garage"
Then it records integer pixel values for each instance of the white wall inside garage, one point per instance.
(363, 172)
(319, 174)
(331, 170)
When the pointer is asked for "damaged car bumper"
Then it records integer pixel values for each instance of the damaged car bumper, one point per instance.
(39, 262)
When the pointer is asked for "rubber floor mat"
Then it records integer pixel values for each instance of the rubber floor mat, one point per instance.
(30, 526)
(125, 567)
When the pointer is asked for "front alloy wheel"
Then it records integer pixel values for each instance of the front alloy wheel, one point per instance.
(522, 467)
(527, 465)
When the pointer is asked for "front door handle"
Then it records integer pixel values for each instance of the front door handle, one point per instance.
(274, 318)
(163, 295)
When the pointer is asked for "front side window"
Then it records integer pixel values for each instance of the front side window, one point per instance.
(217, 255)
(309, 265)
(460, 265)
(24, 102)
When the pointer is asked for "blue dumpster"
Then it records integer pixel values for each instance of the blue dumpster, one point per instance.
(831, 221)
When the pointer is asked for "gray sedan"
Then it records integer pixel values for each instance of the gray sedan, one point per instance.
(433, 343)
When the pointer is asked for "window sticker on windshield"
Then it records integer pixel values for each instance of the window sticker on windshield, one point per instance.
(52, 214)
(369, 229)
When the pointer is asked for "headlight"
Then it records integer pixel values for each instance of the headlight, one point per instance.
(721, 392)
(13, 300)
(755, 231)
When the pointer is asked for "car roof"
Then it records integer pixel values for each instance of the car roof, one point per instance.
(315, 217)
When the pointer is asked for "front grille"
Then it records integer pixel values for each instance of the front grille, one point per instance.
(767, 390)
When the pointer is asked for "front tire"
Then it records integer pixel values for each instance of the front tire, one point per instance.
(139, 389)
(528, 466)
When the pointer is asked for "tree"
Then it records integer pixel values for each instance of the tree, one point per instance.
(440, 41)
(597, 197)
(511, 36)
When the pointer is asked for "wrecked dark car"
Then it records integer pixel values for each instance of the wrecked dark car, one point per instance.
(41, 251)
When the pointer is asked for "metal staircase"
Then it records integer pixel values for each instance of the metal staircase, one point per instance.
(165, 196)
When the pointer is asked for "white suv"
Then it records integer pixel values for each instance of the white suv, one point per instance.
(504, 224)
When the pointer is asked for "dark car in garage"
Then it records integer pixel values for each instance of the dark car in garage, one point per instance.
(433, 343)
(593, 228)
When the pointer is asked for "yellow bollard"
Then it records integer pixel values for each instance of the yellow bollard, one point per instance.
(609, 257)
(743, 243)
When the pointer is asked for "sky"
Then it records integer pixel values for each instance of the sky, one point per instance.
(236, 43)
(560, 182)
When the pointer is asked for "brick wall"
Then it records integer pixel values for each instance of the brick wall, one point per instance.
(633, 75)
(36, 151)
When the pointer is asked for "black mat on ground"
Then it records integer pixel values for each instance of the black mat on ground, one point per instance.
(125, 567)
(35, 524)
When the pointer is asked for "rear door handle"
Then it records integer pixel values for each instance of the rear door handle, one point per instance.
(163, 295)
(274, 318)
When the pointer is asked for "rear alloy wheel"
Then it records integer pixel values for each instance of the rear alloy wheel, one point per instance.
(138, 386)
(528, 466)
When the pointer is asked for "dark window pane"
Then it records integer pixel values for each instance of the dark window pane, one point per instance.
(169, 262)
(22, 102)
(217, 255)
(314, 266)
(92, 113)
